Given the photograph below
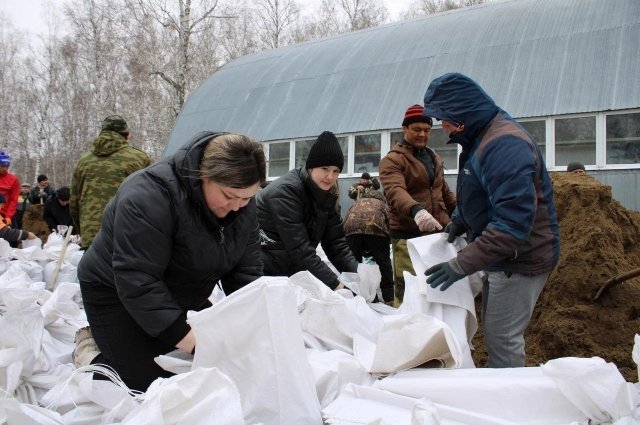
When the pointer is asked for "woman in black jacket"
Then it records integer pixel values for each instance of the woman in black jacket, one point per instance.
(169, 235)
(299, 210)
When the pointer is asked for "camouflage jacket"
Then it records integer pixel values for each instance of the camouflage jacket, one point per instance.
(96, 179)
(367, 216)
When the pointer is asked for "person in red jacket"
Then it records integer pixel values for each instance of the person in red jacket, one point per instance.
(12, 235)
(9, 188)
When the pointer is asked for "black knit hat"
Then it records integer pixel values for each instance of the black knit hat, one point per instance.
(365, 176)
(64, 193)
(415, 113)
(325, 151)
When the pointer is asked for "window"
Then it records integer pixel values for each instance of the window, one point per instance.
(448, 152)
(278, 159)
(437, 142)
(623, 139)
(537, 130)
(302, 151)
(367, 153)
(576, 140)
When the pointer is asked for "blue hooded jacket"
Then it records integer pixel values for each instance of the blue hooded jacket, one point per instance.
(504, 193)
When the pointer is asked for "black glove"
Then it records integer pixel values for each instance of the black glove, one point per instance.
(445, 274)
(453, 230)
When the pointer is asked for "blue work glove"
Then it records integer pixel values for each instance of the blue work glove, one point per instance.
(445, 274)
(454, 230)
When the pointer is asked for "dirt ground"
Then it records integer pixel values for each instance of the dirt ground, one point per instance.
(599, 239)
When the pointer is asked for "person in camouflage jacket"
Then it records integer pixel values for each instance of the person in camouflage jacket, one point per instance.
(366, 227)
(99, 173)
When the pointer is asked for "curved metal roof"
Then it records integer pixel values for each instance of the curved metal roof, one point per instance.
(534, 57)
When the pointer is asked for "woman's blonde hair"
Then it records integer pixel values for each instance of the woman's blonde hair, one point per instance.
(233, 160)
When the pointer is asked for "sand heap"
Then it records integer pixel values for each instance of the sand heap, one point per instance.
(599, 239)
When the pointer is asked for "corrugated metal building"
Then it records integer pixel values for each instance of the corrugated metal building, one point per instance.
(569, 70)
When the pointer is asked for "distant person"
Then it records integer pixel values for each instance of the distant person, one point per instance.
(41, 192)
(9, 189)
(56, 210)
(366, 226)
(9, 234)
(299, 210)
(366, 184)
(505, 206)
(421, 202)
(171, 233)
(99, 173)
(576, 168)
(23, 203)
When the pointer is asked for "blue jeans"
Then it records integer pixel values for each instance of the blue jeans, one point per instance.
(507, 306)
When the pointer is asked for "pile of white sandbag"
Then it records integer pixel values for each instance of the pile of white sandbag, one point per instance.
(290, 351)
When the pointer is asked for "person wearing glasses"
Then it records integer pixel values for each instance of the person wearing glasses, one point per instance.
(420, 200)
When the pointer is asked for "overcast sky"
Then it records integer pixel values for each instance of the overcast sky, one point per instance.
(29, 14)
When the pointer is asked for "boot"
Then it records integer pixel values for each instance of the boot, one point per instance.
(86, 348)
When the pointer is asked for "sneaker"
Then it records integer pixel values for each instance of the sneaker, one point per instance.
(86, 348)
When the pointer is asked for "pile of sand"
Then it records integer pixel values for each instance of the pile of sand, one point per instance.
(599, 239)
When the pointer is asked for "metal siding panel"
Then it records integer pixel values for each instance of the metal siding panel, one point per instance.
(534, 57)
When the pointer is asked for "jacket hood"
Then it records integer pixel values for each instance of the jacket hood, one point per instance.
(458, 99)
(108, 142)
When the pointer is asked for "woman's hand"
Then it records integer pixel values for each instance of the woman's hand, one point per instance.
(188, 343)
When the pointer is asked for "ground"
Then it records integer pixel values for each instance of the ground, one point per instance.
(599, 239)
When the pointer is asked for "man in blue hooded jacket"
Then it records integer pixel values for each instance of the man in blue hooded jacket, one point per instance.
(505, 205)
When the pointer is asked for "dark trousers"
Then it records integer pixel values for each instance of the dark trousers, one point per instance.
(124, 346)
(378, 248)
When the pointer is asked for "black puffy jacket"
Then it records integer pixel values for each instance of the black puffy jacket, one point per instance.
(162, 250)
(295, 215)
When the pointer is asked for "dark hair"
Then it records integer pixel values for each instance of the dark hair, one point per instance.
(41, 178)
(234, 160)
(64, 193)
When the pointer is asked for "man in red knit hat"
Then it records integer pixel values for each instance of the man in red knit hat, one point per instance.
(412, 176)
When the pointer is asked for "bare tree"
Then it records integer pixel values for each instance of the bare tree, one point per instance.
(430, 7)
(274, 20)
(237, 35)
(364, 13)
(184, 22)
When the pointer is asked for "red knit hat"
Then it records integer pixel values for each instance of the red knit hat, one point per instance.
(415, 113)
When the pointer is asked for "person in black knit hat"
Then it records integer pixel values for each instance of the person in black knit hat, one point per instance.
(299, 210)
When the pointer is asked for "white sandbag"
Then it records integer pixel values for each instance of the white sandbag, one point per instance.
(81, 399)
(29, 243)
(254, 337)
(333, 371)
(14, 413)
(177, 361)
(594, 386)
(61, 304)
(32, 268)
(406, 341)
(5, 248)
(429, 250)
(67, 273)
(203, 396)
(326, 320)
(518, 395)
(365, 282)
(369, 406)
(635, 353)
(462, 324)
